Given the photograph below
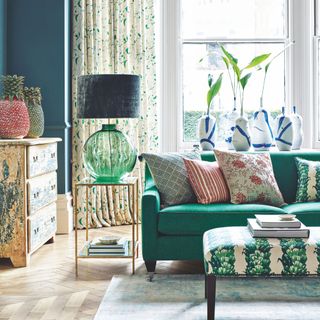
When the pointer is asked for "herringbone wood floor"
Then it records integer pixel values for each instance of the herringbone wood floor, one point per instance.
(48, 288)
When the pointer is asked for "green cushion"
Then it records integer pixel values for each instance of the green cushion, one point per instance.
(308, 180)
(195, 219)
(284, 168)
(308, 212)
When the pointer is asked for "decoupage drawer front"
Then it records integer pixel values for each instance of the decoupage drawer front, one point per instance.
(41, 191)
(42, 159)
(42, 226)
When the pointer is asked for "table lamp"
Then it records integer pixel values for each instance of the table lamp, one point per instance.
(108, 155)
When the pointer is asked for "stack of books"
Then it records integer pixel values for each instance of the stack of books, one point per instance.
(98, 247)
(277, 226)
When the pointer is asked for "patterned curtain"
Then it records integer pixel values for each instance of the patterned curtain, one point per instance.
(114, 36)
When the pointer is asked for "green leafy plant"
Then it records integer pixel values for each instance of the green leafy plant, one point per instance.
(240, 78)
(214, 88)
(266, 68)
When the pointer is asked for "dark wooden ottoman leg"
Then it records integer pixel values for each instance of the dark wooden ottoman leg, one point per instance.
(211, 295)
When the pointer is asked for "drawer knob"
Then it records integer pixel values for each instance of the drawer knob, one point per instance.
(36, 195)
(35, 158)
(53, 187)
(53, 155)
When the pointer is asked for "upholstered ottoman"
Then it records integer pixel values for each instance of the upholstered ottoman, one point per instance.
(232, 251)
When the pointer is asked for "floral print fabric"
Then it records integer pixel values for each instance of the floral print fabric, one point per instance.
(250, 178)
(114, 37)
(232, 251)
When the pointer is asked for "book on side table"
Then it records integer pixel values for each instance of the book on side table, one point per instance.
(257, 231)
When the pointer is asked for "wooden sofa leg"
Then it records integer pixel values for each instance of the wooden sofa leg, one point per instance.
(211, 296)
(151, 268)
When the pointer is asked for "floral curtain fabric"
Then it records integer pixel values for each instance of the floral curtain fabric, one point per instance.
(114, 36)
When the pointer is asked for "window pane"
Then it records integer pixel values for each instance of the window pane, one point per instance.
(195, 84)
(230, 19)
(318, 89)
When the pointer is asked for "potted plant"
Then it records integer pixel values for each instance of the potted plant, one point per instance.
(262, 137)
(207, 123)
(241, 138)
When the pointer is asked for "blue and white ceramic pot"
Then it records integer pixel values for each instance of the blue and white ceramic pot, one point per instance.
(284, 129)
(231, 118)
(297, 124)
(241, 138)
(206, 132)
(262, 135)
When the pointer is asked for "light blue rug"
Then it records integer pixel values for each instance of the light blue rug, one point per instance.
(182, 297)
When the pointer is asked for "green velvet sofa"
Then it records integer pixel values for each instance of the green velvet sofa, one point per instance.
(175, 232)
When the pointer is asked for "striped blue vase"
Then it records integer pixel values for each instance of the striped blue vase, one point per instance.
(241, 138)
(206, 132)
(284, 130)
(262, 135)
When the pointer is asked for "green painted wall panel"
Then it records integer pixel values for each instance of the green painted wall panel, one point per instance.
(38, 38)
(3, 35)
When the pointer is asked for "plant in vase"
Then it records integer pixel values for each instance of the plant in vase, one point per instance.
(240, 129)
(231, 116)
(241, 138)
(262, 135)
(284, 137)
(207, 123)
(32, 97)
(14, 116)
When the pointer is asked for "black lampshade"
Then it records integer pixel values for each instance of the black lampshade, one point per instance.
(108, 96)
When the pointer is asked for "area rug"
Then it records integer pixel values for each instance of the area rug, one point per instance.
(182, 297)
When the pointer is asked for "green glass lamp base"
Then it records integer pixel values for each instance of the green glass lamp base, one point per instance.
(108, 155)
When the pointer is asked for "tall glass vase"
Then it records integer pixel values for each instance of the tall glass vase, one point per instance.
(231, 118)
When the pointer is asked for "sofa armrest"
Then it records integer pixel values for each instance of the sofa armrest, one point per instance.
(149, 222)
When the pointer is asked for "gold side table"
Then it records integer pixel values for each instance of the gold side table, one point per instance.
(132, 188)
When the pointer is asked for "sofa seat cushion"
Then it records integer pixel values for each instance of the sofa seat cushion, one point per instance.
(195, 219)
(307, 212)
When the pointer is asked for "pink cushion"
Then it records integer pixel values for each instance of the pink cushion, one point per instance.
(207, 181)
(250, 177)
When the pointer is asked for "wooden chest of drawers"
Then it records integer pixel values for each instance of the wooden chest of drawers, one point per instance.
(28, 194)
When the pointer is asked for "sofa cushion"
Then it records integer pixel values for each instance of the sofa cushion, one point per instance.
(250, 177)
(308, 180)
(195, 219)
(307, 212)
(207, 181)
(170, 176)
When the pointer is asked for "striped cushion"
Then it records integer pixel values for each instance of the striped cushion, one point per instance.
(207, 181)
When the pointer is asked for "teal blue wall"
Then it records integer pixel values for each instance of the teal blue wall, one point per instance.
(38, 43)
(3, 36)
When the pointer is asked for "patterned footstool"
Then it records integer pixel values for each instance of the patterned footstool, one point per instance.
(232, 251)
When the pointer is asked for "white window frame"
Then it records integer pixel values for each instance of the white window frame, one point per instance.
(300, 74)
(316, 48)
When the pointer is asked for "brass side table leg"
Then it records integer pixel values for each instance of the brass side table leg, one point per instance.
(136, 201)
(75, 222)
(87, 213)
(131, 203)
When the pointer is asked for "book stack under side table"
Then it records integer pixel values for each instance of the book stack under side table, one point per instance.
(131, 185)
(28, 193)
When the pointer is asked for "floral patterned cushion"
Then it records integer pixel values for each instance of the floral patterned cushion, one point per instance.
(250, 178)
(232, 251)
(308, 180)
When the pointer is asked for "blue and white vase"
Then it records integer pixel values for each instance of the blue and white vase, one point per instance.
(297, 129)
(231, 118)
(284, 129)
(241, 138)
(206, 132)
(262, 135)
